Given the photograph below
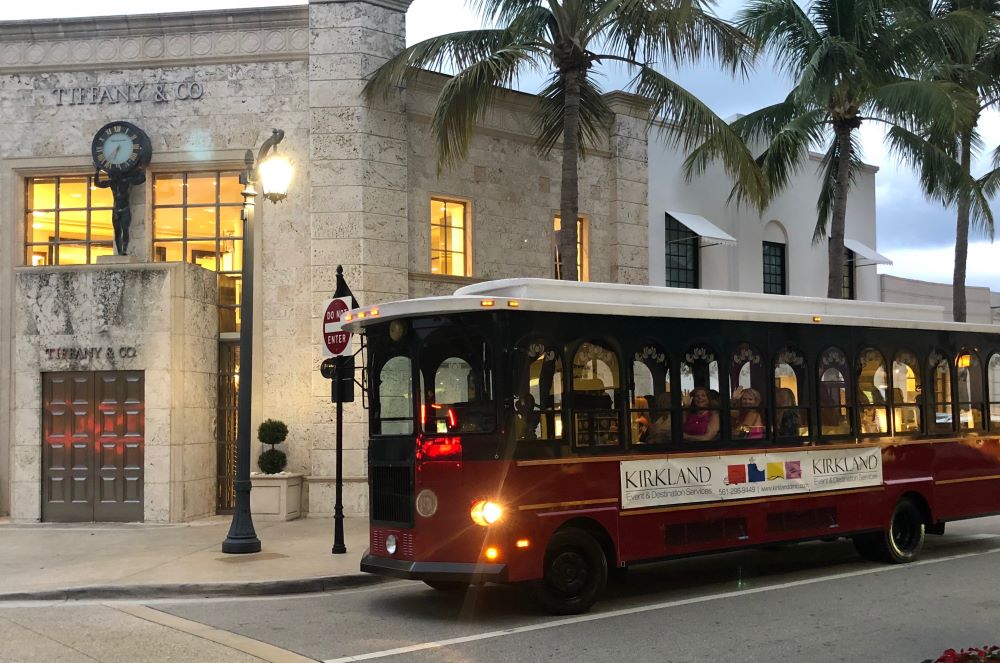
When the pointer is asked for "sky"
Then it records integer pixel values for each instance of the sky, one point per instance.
(916, 234)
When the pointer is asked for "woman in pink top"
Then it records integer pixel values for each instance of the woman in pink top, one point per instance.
(700, 423)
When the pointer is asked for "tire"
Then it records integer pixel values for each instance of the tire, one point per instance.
(574, 576)
(901, 542)
(447, 585)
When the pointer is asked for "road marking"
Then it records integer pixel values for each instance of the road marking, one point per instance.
(256, 648)
(649, 608)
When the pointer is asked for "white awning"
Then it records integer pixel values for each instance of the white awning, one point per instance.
(701, 226)
(866, 252)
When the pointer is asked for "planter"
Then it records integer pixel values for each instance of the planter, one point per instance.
(276, 496)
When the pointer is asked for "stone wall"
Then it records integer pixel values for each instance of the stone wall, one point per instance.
(167, 313)
(251, 66)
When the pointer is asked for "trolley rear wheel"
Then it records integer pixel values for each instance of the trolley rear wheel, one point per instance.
(900, 542)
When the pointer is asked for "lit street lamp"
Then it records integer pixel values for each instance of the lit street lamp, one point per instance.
(274, 174)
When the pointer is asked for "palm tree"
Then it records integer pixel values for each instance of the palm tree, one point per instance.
(847, 59)
(568, 38)
(943, 155)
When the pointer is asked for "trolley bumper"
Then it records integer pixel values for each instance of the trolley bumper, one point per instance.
(446, 571)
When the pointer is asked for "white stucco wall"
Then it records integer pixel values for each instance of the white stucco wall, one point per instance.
(740, 267)
(911, 291)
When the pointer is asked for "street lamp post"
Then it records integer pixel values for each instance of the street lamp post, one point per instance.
(273, 173)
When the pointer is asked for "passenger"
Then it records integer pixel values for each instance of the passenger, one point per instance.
(640, 421)
(748, 424)
(701, 424)
(789, 421)
(659, 429)
(528, 416)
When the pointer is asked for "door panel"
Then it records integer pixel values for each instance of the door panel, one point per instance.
(92, 428)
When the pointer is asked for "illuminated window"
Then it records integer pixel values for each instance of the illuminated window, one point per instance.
(582, 250)
(196, 219)
(68, 221)
(449, 223)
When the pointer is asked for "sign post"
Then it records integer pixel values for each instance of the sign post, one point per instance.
(339, 367)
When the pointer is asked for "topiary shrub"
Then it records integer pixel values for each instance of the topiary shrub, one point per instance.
(272, 461)
(272, 432)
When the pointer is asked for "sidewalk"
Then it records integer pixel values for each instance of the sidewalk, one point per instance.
(107, 560)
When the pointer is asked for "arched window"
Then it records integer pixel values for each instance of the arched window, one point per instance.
(941, 419)
(993, 382)
(701, 398)
(969, 384)
(394, 413)
(791, 395)
(596, 396)
(538, 380)
(649, 413)
(748, 380)
(873, 384)
(456, 383)
(907, 393)
(835, 406)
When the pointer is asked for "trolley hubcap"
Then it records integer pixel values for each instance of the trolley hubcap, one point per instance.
(569, 572)
(905, 532)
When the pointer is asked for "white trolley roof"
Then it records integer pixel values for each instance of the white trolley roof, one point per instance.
(523, 294)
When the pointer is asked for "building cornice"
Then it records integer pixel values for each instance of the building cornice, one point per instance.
(399, 5)
(155, 40)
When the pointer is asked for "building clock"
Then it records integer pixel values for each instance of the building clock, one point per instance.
(120, 147)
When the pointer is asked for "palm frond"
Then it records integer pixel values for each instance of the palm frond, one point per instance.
(915, 103)
(458, 49)
(685, 120)
(468, 97)
(784, 28)
(595, 115)
(828, 168)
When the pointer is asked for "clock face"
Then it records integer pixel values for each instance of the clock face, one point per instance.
(120, 147)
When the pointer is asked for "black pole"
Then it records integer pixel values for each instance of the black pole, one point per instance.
(343, 290)
(242, 538)
(338, 508)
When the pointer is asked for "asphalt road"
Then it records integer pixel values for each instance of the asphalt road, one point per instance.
(814, 602)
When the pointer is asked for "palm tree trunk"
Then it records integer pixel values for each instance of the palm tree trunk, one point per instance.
(958, 303)
(835, 245)
(569, 206)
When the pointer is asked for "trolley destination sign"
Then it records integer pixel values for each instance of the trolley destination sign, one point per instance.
(674, 481)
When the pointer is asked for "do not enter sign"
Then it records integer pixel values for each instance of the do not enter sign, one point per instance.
(336, 341)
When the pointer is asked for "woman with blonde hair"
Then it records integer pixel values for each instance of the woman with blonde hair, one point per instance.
(748, 423)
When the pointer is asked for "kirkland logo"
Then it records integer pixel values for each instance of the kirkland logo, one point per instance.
(750, 473)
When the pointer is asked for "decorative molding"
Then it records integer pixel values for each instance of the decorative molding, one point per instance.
(399, 5)
(166, 40)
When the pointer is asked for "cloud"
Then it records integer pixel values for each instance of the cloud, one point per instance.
(937, 264)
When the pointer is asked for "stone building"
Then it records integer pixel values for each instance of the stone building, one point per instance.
(118, 376)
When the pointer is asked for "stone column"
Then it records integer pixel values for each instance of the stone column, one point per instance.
(629, 190)
(358, 203)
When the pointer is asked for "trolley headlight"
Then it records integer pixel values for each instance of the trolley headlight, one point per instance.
(390, 544)
(485, 513)
(427, 503)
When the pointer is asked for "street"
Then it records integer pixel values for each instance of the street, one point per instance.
(816, 602)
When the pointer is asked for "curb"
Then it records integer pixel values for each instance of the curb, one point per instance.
(209, 589)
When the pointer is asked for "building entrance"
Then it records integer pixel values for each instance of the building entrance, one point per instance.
(92, 446)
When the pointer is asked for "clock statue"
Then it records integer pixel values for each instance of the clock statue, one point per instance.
(122, 150)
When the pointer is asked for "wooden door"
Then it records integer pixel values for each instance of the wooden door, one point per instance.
(92, 437)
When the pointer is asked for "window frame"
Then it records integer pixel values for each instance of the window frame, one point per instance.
(992, 396)
(802, 397)
(676, 233)
(582, 247)
(53, 246)
(885, 405)
(638, 350)
(782, 272)
(849, 405)
(618, 406)
(466, 234)
(154, 242)
(933, 359)
(919, 404)
(849, 287)
(982, 396)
